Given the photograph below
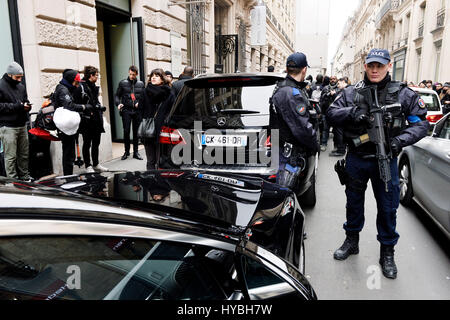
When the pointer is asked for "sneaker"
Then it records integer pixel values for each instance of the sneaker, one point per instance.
(100, 168)
(90, 170)
(323, 148)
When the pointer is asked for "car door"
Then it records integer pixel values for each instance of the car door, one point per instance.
(437, 174)
(268, 277)
(76, 260)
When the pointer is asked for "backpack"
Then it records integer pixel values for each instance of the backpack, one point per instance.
(44, 118)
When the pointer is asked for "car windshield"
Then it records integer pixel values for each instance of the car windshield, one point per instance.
(431, 101)
(242, 106)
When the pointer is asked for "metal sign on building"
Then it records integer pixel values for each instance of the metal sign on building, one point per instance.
(175, 44)
(258, 30)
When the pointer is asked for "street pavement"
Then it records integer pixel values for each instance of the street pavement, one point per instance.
(422, 254)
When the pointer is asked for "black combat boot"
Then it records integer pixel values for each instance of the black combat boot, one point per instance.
(350, 246)
(387, 261)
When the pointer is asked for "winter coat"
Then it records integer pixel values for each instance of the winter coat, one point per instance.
(12, 97)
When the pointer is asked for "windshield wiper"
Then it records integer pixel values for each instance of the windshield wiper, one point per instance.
(238, 111)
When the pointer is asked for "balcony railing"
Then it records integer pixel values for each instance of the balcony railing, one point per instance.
(420, 33)
(440, 18)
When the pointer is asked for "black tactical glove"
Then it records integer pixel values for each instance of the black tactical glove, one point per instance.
(89, 109)
(396, 148)
(360, 117)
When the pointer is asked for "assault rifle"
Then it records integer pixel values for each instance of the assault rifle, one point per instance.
(379, 118)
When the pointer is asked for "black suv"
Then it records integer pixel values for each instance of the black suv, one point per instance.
(221, 123)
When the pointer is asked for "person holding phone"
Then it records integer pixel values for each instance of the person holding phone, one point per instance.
(14, 114)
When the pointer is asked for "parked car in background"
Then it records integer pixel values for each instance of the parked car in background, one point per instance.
(424, 170)
(434, 107)
(237, 108)
(230, 237)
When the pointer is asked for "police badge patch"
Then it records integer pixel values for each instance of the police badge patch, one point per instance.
(68, 97)
(301, 110)
(422, 104)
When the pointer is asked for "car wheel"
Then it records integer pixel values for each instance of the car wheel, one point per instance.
(308, 199)
(406, 191)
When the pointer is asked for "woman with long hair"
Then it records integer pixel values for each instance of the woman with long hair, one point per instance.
(156, 103)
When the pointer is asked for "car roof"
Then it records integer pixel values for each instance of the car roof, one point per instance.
(423, 90)
(238, 75)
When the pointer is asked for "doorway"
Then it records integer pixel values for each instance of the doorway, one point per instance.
(120, 46)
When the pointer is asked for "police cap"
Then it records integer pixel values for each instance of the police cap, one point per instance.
(378, 55)
(297, 60)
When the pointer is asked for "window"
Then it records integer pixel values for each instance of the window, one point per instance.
(445, 131)
(9, 34)
(94, 268)
(419, 64)
(437, 48)
(262, 283)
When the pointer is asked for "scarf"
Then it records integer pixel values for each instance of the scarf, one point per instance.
(157, 94)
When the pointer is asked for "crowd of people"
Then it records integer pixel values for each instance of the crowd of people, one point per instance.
(78, 97)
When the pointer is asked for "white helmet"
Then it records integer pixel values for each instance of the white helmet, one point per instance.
(67, 121)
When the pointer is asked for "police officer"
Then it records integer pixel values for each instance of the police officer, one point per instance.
(289, 113)
(350, 111)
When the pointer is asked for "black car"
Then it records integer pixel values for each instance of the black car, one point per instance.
(151, 235)
(221, 123)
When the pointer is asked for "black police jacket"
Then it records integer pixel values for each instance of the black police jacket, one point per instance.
(124, 93)
(343, 110)
(12, 97)
(290, 114)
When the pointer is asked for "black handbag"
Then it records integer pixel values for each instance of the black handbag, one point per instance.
(147, 128)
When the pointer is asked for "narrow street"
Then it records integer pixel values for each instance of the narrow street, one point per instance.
(422, 254)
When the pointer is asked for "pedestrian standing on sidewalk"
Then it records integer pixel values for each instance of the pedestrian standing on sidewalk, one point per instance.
(127, 99)
(14, 114)
(155, 103)
(351, 110)
(91, 126)
(63, 98)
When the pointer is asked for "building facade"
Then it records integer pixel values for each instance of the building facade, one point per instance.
(416, 32)
(47, 37)
(312, 33)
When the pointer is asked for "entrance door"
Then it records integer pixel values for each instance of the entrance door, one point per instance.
(123, 48)
(124, 51)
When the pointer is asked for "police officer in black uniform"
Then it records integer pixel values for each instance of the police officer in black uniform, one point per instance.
(407, 126)
(290, 114)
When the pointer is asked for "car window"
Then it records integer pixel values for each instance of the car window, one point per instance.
(431, 100)
(95, 268)
(208, 104)
(262, 283)
(445, 131)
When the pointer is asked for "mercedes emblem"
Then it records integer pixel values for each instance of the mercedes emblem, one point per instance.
(221, 121)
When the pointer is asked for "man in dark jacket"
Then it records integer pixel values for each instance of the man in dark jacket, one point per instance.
(127, 98)
(445, 98)
(14, 114)
(188, 73)
(327, 96)
(63, 97)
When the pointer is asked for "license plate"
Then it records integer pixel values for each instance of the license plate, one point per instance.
(221, 179)
(224, 141)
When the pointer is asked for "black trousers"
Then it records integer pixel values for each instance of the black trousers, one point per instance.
(91, 143)
(68, 152)
(338, 139)
(130, 119)
(150, 153)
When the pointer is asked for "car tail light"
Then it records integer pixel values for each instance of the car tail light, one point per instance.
(272, 177)
(434, 118)
(171, 174)
(170, 136)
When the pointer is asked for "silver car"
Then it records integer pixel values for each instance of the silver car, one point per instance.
(425, 174)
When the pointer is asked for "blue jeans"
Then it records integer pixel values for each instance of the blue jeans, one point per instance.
(325, 133)
(387, 202)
